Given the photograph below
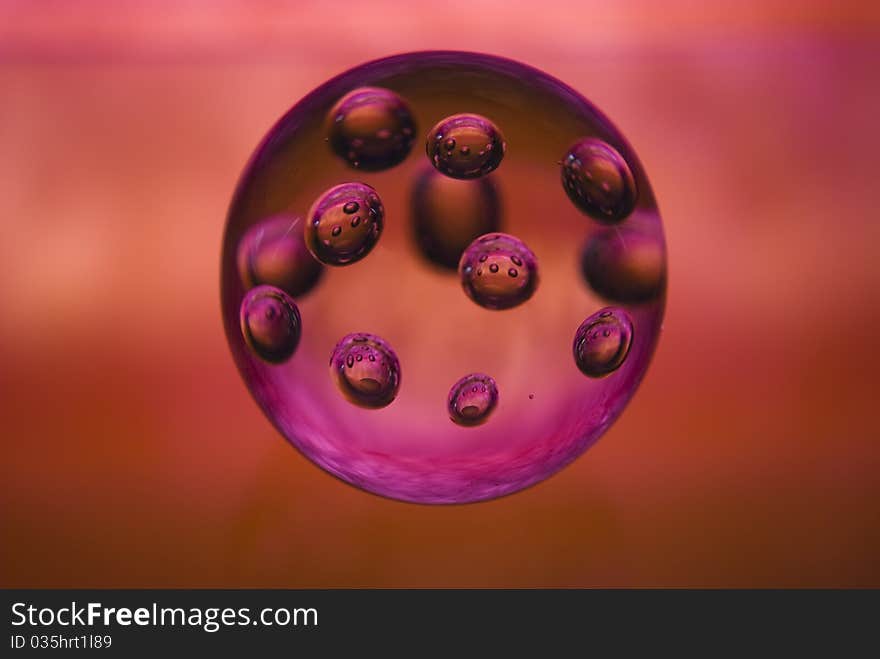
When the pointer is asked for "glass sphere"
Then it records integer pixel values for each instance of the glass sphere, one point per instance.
(397, 436)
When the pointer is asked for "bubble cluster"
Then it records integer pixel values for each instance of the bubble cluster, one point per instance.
(371, 128)
(602, 342)
(344, 224)
(270, 323)
(445, 209)
(472, 399)
(598, 180)
(625, 265)
(498, 271)
(448, 214)
(366, 370)
(274, 252)
(465, 146)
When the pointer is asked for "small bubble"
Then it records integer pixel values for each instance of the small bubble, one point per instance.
(516, 260)
(270, 323)
(371, 383)
(599, 181)
(483, 258)
(355, 221)
(468, 131)
(371, 128)
(329, 211)
(472, 399)
(351, 207)
(492, 292)
(599, 353)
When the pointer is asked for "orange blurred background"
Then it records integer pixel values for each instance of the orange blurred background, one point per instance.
(133, 455)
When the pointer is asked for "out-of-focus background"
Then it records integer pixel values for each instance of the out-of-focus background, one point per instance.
(133, 455)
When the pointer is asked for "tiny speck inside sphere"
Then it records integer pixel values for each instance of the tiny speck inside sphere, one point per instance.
(463, 133)
(370, 383)
(602, 342)
(472, 399)
(502, 286)
(371, 128)
(270, 323)
(332, 236)
(599, 180)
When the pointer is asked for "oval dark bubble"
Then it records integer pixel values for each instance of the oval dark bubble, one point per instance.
(366, 370)
(270, 323)
(599, 180)
(336, 235)
(602, 342)
(371, 128)
(465, 146)
(472, 399)
(506, 285)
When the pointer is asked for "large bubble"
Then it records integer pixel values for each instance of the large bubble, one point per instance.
(391, 310)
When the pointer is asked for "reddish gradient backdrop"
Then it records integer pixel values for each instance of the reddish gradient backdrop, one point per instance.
(133, 454)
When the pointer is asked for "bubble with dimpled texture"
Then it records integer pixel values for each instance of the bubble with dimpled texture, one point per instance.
(270, 323)
(448, 214)
(465, 146)
(599, 181)
(371, 128)
(344, 224)
(365, 370)
(498, 271)
(472, 399)
(625, 265)
(274, 252)
(602, 342)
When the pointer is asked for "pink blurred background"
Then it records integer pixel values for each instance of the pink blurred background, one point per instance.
(133, 455)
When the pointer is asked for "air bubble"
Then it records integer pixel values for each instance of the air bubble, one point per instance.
(273, 252)
(466, 131)
(371, 128)
(599, 180)
(502, 287)
(372, 382)
(472, 399)
(335, 240)
(448, 214)
(270, 323)
(599, 353)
